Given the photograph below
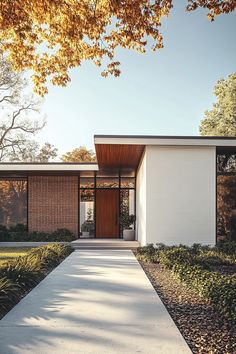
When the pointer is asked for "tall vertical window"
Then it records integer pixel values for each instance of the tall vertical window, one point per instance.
(226, 196)
(127, 206)
(13, 201)
(87, 225)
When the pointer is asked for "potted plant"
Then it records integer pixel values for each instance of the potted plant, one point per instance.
(127, 221)
(87, 228)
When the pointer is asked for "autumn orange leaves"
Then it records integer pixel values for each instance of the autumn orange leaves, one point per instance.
(49, 37)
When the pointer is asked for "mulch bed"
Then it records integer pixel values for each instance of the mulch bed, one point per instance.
(203, 328)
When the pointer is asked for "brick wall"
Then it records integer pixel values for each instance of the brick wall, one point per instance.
(53, 203)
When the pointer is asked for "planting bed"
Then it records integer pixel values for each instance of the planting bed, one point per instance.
(198, 286)
(19, 275)
(203, 328)
(9, 253)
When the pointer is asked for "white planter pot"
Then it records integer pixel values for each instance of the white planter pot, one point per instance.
(85, 233)
(128, 235)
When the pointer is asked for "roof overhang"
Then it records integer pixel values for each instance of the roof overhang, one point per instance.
(46, 168)
(124, 151)
(120, 156)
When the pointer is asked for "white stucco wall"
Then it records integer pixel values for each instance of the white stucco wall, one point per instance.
(180, 195)
(141, 202)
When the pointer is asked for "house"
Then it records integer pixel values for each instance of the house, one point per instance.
(168, 182)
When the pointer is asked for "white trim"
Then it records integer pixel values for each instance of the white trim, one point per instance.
(48, 167)
(165, 141)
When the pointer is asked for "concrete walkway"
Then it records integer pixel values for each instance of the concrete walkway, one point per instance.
(97, 302)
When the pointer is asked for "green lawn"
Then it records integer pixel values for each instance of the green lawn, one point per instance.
(7, 253)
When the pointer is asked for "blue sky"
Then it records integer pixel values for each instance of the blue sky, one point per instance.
(161, 93)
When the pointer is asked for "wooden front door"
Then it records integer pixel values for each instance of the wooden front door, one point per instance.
(107, 213)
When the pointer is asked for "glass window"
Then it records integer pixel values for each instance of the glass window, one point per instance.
(107, 173)
(86, 182)
(13, 202)
(127, 182)
(87, 227)
(226, 197)
(107, 182)
(226, 208)
(86, 173)
(127, 173)
(127, 208)
(226, 163)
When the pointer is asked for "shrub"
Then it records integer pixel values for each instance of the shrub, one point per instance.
(19, 233)
(192, 266)
(63, 234)
(227, 247)
(213, 258)
(18, 228)
(9, 295)
(219, 289)
(146, 253)
(22, 271)
(4, 233)
(173, 255)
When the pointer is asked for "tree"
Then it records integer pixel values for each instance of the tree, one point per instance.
(33, 152)
(221, 119)
(81, 154)
(53, 36)
(16, 127)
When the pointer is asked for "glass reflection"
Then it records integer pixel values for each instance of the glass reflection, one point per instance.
(127, 208)
(226, 197)
(13, 202)
(87, 227)
(127, 182)
(107, 182)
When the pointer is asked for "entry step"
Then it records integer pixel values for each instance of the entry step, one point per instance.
(104, 244)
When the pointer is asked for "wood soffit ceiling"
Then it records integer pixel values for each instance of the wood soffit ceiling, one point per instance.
(118, 155)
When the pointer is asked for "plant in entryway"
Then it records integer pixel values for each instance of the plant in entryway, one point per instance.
(127, 222)
(87, 228)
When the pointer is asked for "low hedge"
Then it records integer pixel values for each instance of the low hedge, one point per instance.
(19, 233)
(192, 266)
(20, 275)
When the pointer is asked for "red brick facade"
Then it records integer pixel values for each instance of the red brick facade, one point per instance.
(53, 203)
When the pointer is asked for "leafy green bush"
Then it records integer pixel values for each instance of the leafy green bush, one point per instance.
(214, 258)
(4, 233)
(18, 228)
(173, 255)
(20, 275)
(63, 235)
(219, 289)
(192, 266)
(146, 253)
(19, 233)
(227, 247)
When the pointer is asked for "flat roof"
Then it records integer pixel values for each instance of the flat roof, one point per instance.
(165, 140)
(118, 151)
(49, 166)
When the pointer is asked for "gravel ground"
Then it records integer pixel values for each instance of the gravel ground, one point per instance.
(203, 328)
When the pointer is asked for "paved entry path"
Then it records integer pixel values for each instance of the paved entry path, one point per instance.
(95, 302)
